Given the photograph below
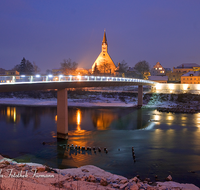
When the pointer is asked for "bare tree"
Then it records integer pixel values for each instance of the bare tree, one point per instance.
(36, 68)
(123, 66)
(68, 67)
(96, 70)
(105, 68)
(142, 67)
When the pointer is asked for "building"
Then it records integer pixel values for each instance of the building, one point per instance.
(175, 76)
(82, 71)
(104, 63)
(11, 72)
(167, 70)
(2, 71)
(160, 79)
(158, 70)
(186, 67)
(8, 72)
(57, 71)
(192, 77)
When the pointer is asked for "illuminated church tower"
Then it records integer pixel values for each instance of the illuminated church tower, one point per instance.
(104, 63)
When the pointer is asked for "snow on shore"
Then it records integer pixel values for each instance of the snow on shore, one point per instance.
(71, 102)
(34, 176)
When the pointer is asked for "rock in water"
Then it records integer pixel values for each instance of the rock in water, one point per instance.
(169, 178)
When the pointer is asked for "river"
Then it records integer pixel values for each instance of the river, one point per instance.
(164, 143)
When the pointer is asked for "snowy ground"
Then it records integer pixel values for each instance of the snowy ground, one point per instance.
(71, 102)
(102, 99)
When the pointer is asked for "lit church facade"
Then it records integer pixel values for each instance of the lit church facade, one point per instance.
(104, 63)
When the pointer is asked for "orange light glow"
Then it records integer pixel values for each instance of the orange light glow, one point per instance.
(12, 114)
(56, 118)
(8, 111)
(78, 119)
(79, 77)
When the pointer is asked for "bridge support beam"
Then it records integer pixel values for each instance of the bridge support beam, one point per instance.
(140, 95)
(62, 114)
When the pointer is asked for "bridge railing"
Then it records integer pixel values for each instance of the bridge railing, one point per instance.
(66, 78)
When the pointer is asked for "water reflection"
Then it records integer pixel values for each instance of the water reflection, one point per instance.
(169, 141)
(78, 119)
(11, 114)
(102, 120)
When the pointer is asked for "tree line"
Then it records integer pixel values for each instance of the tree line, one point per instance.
(68, 67)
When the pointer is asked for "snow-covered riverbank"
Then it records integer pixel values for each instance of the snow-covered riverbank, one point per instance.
(103, 99)
(36, 176)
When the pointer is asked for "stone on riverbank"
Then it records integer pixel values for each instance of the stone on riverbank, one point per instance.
(24, 177)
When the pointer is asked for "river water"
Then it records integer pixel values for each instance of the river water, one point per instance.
(164, 143)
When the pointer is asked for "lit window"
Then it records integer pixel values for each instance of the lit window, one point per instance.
(190, 78)
(155, 68)
(194, 78)
(183, 78)
(160, 68)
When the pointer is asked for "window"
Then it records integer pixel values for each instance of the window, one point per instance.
(155, 68)
(194, 78)
(183, 78)
(190, 78)
(160, 68)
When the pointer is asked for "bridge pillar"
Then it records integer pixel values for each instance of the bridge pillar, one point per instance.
(140, 95)
(62, 114)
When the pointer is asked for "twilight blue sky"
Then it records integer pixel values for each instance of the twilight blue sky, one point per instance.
(49, 31)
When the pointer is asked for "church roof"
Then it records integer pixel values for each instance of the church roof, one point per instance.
(104, 38)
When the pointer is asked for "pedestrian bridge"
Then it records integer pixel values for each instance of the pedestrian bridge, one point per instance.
(43, 82)
(62, 83)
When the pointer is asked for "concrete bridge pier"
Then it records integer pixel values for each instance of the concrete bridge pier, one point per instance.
(62, 114)
(140, 96)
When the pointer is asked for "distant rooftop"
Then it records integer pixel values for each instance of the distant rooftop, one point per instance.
(188, 65)
(158, 78)
(193, 73)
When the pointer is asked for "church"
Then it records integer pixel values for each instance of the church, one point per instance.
(104, 64)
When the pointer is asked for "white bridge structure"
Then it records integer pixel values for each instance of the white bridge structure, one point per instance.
(62, 83)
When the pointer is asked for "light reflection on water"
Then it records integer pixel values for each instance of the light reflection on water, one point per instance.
(164, 143)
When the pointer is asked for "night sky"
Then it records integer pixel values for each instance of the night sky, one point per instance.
(48, 31)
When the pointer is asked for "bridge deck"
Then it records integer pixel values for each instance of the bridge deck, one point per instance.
(27, 83)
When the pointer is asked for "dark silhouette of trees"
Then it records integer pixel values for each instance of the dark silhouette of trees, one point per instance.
(26, 67)
(96, 70)
(123, 66)
(68, 67)
(142, 67)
